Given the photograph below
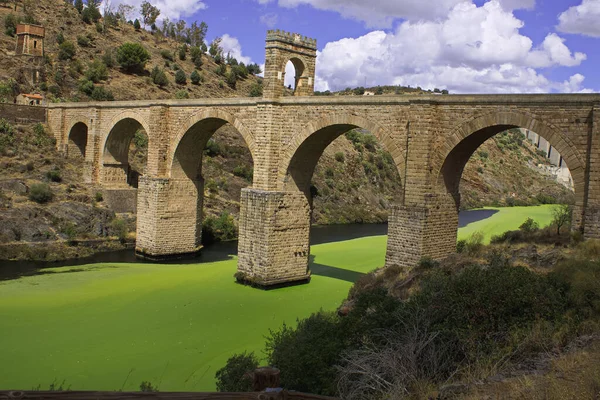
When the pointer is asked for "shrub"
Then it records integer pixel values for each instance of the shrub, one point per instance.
(86, 86)
(196, 56)
(218, 229)
(132, 57)
(66, 50)
(245, 172)
(529, 226)
(83, 41)
(167, 55)
(474, 243)
(460, 245)
(118, 227)
(180, 77)
(182, 52)
(40, 193)
(339, 156)
(10, 24)
(108, 59)
(256, 90)
(140, 139)
(195, 77)
(182, 94)
(41, 137)
(561, 216)
(221, 70)
(7, 134)
(100, 93)
(146, 386)
(212, 148)
(60, 38)
(236, 375)
(159, 77)
(582, 278)
(98, 197)
(97, 71)
(136, 25)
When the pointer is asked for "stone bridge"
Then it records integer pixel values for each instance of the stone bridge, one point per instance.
(430, 138)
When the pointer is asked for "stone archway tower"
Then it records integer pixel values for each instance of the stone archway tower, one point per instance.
(301, 51)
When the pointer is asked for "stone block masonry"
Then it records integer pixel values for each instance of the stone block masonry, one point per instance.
(430, 138)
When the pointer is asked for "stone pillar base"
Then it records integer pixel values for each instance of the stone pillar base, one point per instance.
(417, 232)
(273, 247)
(591, 222)
(169, 218)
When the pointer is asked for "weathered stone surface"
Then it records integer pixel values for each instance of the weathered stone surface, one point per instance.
(430, 139)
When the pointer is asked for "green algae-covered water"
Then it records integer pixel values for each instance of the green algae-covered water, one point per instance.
(110, 326)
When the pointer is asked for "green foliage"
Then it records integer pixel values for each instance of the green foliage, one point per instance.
(83, 41)
(213, 149)
(180, 77)
(108, 58)
(86, 86)
(460, 246)
(244, 171)
(91, 13)
(159, 77)
(529, 226)
(132, 57)
(96, 71)
(256, 90)
(10, 24)
(167, 55)
(60, 38)
(474, 243)
(561, 216)
(7, 134)
(8, 89)
(140, 139)
(136, 25)
(253, 69)
(195, 77)
(41, 137)
(221, 70)
(231, 79)
(100, 93)
(66, 50)
(483, 154)
(118, 227)
(182, 94)
(340, 157)
(146, 386)
(78, 6)
(196, 56)
(182, 52)
(98, 197)
(40, 193)
(315, 345)
(236, 375)
(219, 229)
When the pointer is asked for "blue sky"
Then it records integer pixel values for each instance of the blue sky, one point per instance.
(466, 46)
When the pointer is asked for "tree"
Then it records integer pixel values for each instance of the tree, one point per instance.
(180, 31)
(125, 11)
(149, 13)
(561, 216)
(215, 47)
(159, 77)
(231, 79)
(132, 57)
(78, 6)
(196, 56)
(195, 77)
(97, 71)
(197, 33)
(180, 77)
(136, 25)
(182, 52)
(66, 50)
(236, 375)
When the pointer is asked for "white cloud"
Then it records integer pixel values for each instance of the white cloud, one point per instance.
(269, 19)
(474, 49)
(232, 45)
(582, 19)
(174, 10)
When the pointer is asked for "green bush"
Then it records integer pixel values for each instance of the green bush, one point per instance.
(100, 93)
(108, 58)
(136, 25)
(66, 50)
(221, 70)
(96, 71)
(98, 197)
(86, 86)
(196, 56)
(474, 243)
(236, 375)
(339, 157)
(167, 55)
(256, 90)
(213, 149)
(182, 94)
(244, 171)
(218, 229)
(7, 134)
(159, 77)
(118, 228)
(529, 226)
(60, 38)
(132, 57)
(460, 245)
(83, 41)
(10, 24)
(40, 193)
(140, 139)
(182, 52)
(180, 77)
(195, 77)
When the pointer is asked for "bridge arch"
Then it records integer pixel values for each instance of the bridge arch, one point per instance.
(77, 140)
(300, 157)
(465, 139)
(185, 154)
(114, 150)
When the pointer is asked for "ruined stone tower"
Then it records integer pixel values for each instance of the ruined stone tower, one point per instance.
(301, 51)
(30, 40)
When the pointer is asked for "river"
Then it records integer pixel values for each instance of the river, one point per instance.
(220, 251)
